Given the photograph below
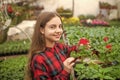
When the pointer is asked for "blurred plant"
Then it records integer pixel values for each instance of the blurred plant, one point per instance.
(94, 22)
(70, 21)
(64, 12)
(84, 48)
(82, 17)
(105, 5)
(102, 62)
(99, 53)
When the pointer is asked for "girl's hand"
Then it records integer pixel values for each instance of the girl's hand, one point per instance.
(68, 64)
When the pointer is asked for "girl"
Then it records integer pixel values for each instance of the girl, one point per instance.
(49, 59)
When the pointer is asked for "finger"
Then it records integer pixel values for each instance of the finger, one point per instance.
(70, 59)
(73, 60)
(72, 64)
(78, 60)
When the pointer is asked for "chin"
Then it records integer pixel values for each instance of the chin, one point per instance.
(56, 40)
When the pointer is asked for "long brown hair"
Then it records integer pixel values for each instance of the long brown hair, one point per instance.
(38, 41)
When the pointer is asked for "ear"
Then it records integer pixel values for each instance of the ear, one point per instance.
(42, 30)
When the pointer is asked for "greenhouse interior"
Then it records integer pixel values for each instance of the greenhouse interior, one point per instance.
(87, 31)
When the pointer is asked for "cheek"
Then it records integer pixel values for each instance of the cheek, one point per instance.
(62, 31)
(48, 33)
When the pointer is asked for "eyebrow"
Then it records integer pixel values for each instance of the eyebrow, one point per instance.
(54, 24)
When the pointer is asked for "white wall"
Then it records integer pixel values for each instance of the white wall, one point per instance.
(49, 5)
(80, 6)
(118, 5)
(86, 7)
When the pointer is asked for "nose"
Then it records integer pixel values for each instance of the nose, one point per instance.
(59, 30)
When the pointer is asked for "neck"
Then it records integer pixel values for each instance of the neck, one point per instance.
(50, 44)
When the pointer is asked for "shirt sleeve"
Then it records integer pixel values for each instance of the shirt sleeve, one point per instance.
(39, 70)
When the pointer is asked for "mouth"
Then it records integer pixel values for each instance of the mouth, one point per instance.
(57, 36)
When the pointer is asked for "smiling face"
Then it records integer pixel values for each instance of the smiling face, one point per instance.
(53, 30)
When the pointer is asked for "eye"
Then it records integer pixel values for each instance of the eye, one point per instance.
(52, 26)
(61, 26)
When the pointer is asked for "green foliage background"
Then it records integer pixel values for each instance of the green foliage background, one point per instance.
(13, 68)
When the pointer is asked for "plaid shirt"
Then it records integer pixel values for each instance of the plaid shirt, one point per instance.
(48, 65)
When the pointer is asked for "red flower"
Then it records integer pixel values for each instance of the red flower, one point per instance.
(109, 46)
(105, 39)
(9, 9)
(83, 41)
